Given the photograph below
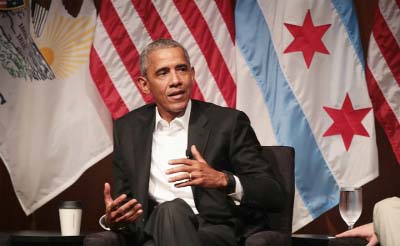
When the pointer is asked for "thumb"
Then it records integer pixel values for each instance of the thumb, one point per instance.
(373, 241)
(107, 194)
(196, 154)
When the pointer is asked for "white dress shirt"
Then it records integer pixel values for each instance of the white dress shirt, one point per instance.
(169, 142)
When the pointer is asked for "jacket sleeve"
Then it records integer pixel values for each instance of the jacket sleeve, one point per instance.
(260, 188)
(121, 183)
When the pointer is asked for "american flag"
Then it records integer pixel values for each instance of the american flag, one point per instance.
(383, 70)
(124, 28)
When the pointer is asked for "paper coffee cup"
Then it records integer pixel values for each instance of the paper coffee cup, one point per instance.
(70, 217)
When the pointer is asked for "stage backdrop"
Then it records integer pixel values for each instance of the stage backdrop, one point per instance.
(267, 86)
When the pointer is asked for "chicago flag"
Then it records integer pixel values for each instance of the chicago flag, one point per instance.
(303, 68)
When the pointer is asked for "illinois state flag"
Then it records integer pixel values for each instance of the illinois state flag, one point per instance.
(53, 123)
(302, 82)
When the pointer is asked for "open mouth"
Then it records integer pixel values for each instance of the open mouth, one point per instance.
(177, 94)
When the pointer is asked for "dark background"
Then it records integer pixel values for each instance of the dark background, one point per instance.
(89, 187)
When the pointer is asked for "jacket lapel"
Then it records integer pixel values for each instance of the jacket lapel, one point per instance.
(198, 134)
(198, 128)
(144, 136)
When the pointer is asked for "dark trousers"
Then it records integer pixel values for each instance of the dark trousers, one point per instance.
(173, 223)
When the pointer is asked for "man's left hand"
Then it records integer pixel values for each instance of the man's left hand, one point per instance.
(195, 172)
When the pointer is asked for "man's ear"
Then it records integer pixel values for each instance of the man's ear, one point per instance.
(193, 73)
(143, 84)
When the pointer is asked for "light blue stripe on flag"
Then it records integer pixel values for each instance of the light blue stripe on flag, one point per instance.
(346, 10)
(315, 183)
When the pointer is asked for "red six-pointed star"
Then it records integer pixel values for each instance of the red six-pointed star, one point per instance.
(307, 38)
(347, 122)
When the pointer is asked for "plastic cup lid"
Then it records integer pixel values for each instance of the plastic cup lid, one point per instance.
(70, 204)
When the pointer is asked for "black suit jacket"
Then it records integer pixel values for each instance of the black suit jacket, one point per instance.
(227, 142)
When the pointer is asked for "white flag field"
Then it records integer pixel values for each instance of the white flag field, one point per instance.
(296, 69)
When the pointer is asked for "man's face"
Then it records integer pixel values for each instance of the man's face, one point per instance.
(169, 79)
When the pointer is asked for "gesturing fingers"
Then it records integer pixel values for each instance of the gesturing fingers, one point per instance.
(115, 204)
(111, 204)
(125, 213)
(192, 180)
(184, 176)
(180, 168)
(197, 157)
(195, 172)
(128, 212)
(200, 174)
(182, 161)
(107, 194)
(196, 154)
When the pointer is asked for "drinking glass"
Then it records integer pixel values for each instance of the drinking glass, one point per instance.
(350, 205)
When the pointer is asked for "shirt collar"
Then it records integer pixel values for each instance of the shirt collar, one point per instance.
(181, 120)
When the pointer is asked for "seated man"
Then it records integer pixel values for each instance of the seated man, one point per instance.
(181, 166)
(384, 229)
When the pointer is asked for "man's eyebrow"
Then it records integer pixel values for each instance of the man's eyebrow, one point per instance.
(184, 65)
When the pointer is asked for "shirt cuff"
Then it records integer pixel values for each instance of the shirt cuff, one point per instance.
(102, 222)
(238, 194)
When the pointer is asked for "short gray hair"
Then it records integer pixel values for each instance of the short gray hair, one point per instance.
(155, 45)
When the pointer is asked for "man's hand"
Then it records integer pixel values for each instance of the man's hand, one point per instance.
(118, 212)
(196, 172)
(365, 231)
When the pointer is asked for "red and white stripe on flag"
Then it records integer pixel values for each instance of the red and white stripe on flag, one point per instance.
(383, 70)
(124, 28)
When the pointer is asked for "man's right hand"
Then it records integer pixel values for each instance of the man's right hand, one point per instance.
(120, 212)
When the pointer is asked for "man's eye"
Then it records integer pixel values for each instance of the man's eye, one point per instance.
(182, 69)
(161, 73)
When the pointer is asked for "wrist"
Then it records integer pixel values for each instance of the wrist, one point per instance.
(229, 183)
(224, 181)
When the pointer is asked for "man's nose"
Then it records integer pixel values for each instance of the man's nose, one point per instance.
(175, 78)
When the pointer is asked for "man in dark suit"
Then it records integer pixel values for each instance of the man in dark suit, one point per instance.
(186, 172)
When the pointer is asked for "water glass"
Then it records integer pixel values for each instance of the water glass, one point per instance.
(350, 205)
